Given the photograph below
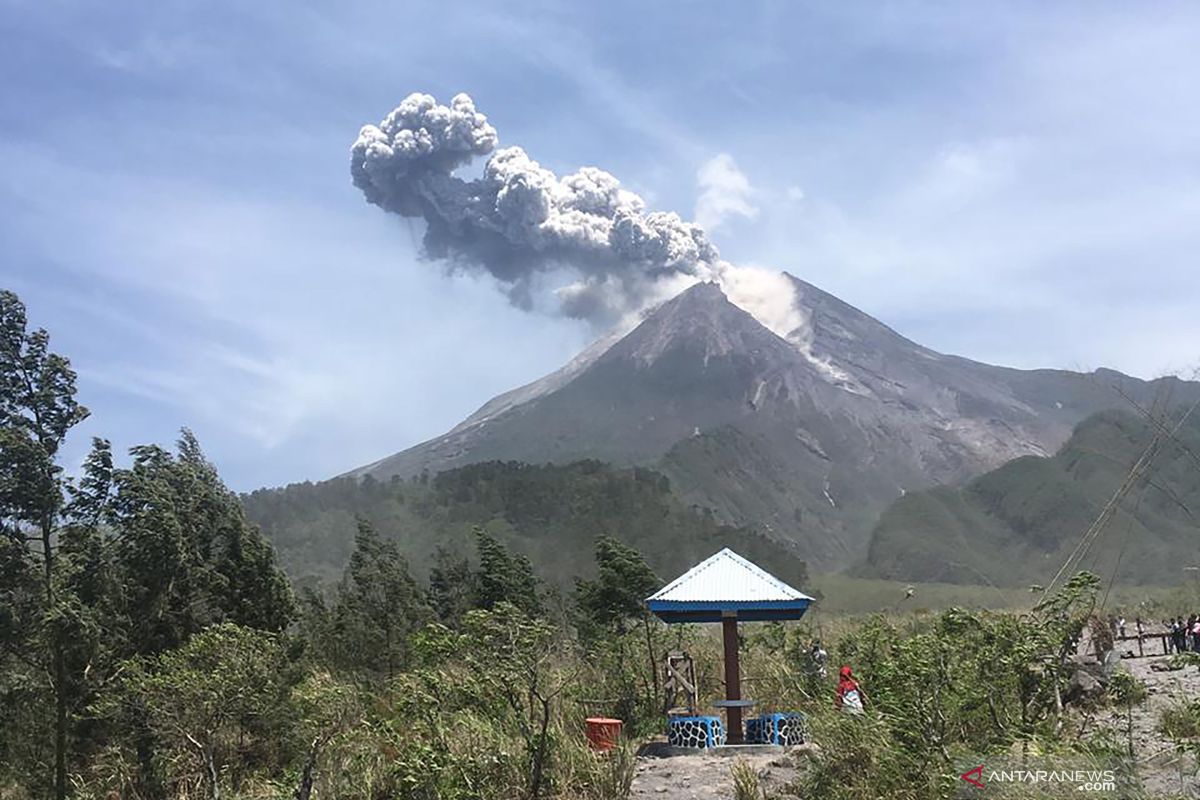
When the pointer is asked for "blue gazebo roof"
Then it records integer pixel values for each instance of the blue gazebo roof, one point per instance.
(727, 585)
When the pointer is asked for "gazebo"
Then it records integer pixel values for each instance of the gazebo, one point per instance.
(727, 588)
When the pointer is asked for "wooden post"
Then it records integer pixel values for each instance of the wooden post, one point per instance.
(733, 678)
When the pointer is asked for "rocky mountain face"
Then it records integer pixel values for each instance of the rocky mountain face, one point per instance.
(807, 437)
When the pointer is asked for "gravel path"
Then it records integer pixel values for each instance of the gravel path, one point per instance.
(706, 777)
(1163, 772)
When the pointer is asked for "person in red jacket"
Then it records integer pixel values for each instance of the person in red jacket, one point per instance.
(850, 696)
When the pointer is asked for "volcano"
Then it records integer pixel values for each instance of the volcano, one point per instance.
(807, 437)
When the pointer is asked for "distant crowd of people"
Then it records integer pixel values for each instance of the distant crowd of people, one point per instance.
(1183, 635)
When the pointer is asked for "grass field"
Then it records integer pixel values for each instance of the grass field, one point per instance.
(846, 595)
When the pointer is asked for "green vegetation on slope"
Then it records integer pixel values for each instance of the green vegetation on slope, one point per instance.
(1017, 524)
(553, 514)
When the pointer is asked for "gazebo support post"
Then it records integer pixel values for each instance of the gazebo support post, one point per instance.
(733, 678)
(727, 588)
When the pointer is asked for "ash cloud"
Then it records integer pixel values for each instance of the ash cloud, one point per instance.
(519, 220)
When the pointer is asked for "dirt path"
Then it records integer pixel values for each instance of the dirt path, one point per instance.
(706, 777)
(1163, 772)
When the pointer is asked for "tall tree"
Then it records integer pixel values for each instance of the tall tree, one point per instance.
(623, 581)
(617, 597)
(378, 607)
(119, 562)
(37, 410)
(452, 589)
(503, 577)
(188, 556)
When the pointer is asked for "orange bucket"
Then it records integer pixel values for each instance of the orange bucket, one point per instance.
(603, 733)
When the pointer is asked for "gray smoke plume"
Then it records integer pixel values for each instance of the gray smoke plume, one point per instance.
(520, 220)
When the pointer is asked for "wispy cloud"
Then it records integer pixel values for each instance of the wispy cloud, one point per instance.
(725, 192)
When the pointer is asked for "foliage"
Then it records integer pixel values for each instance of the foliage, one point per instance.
(983, 681)
(217, 707)
(37, 410)
(622, 583)
(745, 781)
(628, 686)
(503, 577)
(1016, 524)
(550, 513)
(452, 586)
(191, 559)
(1124, 690)
(1181, 721)
(599, 776)
(113, 563)
(378, 606)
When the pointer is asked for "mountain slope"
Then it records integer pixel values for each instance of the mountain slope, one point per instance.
(1018, 523)
(807, 438)
(551, 513)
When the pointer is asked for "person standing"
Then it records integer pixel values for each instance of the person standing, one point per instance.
(819, 658)
(850, 697)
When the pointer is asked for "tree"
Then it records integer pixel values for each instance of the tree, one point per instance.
(178, 557)
(504, 578)
(452, 586)
(615, 598)
(188, 557)
(327, 709)
(378, 607)
(514, 656)
(37, 410)
(623, 582)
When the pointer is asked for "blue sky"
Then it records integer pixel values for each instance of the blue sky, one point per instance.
(1014, 182)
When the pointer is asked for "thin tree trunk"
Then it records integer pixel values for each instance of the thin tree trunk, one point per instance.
(60, 721)
(59, 666)
(650, 655)
(306, 776)
(214, 777)
(210, 765)
(535, 782)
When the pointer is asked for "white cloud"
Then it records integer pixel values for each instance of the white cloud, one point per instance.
(725, 192)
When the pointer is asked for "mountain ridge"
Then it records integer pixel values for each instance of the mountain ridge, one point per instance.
(807, 437)
(1018, 523)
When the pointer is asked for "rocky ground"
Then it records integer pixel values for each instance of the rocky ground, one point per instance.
(1164, 773)
(708, 777)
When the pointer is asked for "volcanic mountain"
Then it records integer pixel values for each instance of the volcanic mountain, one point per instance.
(806, 437)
